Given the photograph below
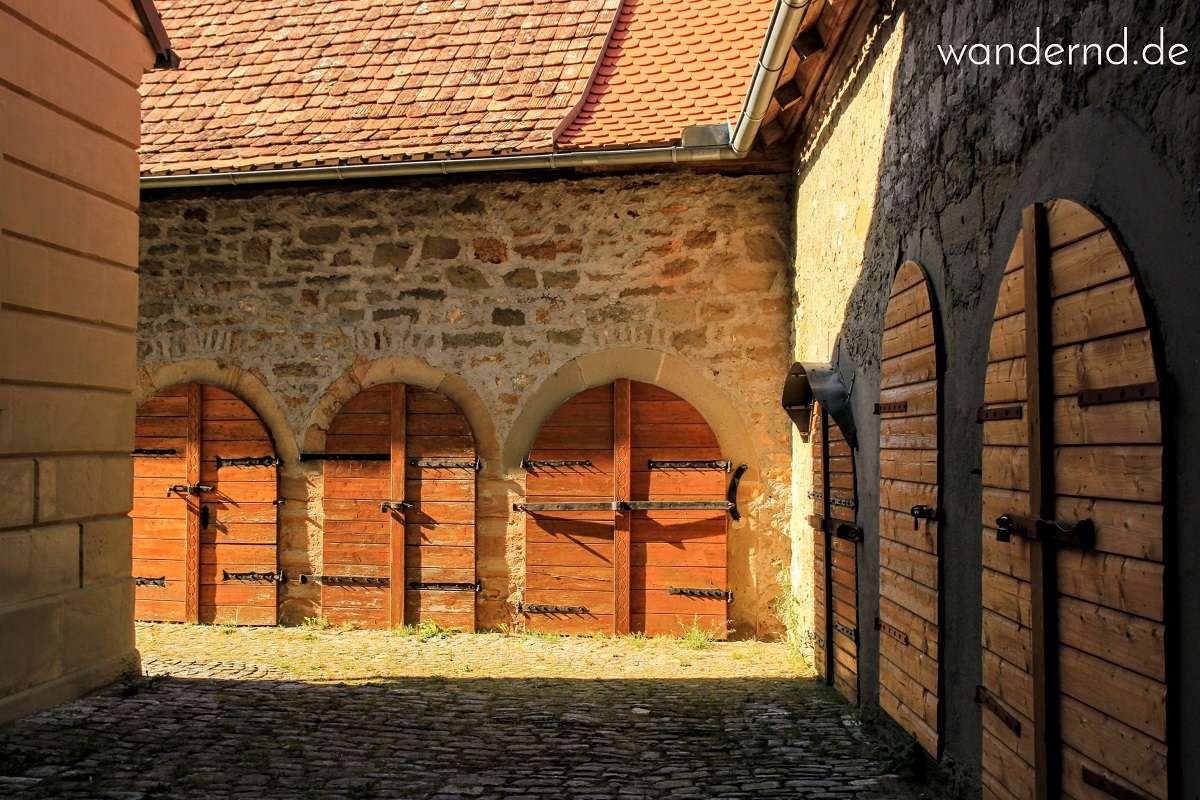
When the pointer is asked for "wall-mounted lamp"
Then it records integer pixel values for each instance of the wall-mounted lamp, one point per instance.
(821, 382)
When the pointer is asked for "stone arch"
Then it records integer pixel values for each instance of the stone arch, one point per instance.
(365, 373)
(648, 366)
(245, 384)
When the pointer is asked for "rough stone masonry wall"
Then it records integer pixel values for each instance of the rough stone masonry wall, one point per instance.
(919, 160)
(500, 283)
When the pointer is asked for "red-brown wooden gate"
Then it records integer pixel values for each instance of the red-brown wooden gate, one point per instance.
(1074, 668)
(627, 508)
(399, 502)
(835, 551)
(204, 509)
(909, 530)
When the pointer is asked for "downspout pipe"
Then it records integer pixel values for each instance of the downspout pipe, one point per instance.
(786, 19)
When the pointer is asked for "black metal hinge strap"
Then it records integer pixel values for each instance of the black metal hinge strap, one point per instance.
(840, 502)
(531, 463)
(345, 457)
(248, 461)
(140, 581)
(675, 505)
(267, 577)
(473, 464)
(1111, 787)
(989, 701)
(722, 594)
(1119, 394)
(190, 488)
(1001, 413)
(443, 587)
(846, 630)
(710, 464)
(731, 495)
(1080, 534)
(541, 608)
(534, 508)
(394, 505)
(898, 407)
(346, 580)
(891, 630)
(155, 452)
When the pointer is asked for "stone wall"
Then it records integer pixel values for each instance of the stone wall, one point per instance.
(509, 293)
(918, 160)
(68, 305)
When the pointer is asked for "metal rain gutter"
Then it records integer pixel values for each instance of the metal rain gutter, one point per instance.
(738, 139)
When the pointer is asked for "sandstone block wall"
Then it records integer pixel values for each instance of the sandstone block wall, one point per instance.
(510, 294)
(918, 160)
(69, 120)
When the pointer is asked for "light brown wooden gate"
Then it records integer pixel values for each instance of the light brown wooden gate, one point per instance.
(399, 501)
(909, 530)
(204, 509)
(835, 550)
(1074, 675)
(627, 512)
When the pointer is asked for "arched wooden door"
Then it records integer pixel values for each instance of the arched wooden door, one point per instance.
(909, 530)
(399, 502)
(204, 509)
(835, 552)
(627, 505)
(1074, 674)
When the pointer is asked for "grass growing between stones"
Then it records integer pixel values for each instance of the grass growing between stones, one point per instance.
(424, 631)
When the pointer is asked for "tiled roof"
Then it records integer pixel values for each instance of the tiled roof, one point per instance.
(668, 65)
(314, 82)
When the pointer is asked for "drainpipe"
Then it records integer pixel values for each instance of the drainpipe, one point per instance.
(701, 143)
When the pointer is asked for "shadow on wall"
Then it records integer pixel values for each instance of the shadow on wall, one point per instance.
(962, 152)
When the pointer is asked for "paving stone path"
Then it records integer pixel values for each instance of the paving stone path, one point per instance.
(300, 713)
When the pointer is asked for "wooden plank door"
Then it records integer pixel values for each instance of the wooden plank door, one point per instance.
(238, 530)
(909, 529)
(399, 501)
(603, 564)
(835, 550)
(162, 519)
(204, 517)
(569, 555)
(1074, 674)
(679, 556)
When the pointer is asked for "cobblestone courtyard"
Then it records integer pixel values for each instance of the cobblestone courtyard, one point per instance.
(311, 713)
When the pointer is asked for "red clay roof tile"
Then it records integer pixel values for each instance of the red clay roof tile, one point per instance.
(307, 82)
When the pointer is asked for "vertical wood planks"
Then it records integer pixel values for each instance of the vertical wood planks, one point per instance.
(192, 538)
(909, 546)
(397, 436)
(1074, 637)
(241, 534)
(192, 471)
(617, 568)
(428, 460)
(835, 559)
(622, 422)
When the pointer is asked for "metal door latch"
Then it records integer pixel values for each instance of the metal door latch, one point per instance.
(190, 488)
(394, 505)
(922, 512)
(1074, 534)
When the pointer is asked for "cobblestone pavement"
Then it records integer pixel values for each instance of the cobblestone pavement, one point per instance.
(303, 713)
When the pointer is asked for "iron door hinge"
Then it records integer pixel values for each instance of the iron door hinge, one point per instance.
(921, 512)
(254, 577)
(140, 581)
(394, 505)
(989, 701)
(543, 608)
(194, 489)
(720, 594)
